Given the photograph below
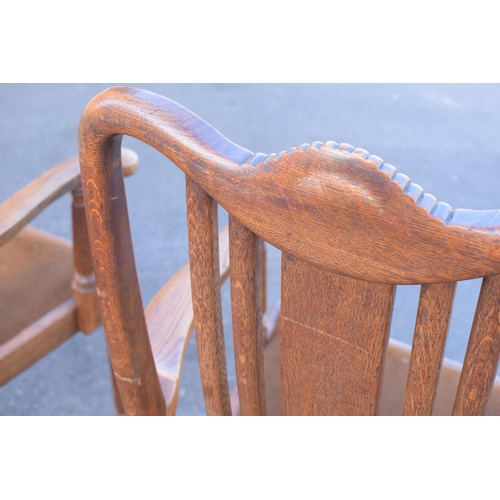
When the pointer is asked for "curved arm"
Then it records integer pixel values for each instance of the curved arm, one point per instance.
(28, 202)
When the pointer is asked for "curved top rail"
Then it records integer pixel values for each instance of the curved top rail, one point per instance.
(334, 206)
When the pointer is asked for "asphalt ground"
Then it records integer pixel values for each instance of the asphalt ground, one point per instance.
(444, 137)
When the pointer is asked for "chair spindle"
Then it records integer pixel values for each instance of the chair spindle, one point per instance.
(245, 254)
(481, 358)
(205, 286)
(431, 329)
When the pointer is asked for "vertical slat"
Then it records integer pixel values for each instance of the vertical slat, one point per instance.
(245, 257)
(205, 289)
(431, 330)
(264, 277)
(334, 334)
(481, 359)
(83, 284)
(117, 283)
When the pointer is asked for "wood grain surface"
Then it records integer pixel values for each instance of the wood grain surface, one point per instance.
(83, 284)
(170, 321)
(36, 269)
(429, 339)
(350, 228)
(37, 340)
(334, 334)
(245, 249)
(207, 308)
(121, 306)
(26, 204)
(40, 272)
(481, 359)
(390, 231)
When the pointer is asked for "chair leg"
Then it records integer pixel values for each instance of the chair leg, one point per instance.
(83, 284)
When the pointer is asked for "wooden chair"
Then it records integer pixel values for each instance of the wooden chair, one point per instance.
(47, 286)
(350, 229)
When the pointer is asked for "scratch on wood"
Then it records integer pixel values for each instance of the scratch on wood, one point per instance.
(136, 380)
(324, 333)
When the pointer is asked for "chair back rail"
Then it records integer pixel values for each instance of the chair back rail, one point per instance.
(350, 228)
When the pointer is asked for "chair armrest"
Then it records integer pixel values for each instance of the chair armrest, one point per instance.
(26, 204)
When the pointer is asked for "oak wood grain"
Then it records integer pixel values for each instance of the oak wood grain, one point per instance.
(37, 340)
(429, 339)
(36, 269)
(293, 199)
(121, 306)
(271, 339)
(481, 359)
(26, 204)
(334, 334)
(395, 377)
(170, 321)
(264, 276)
(205, 289)
(350, 228)
(35, 277)
(246, 304)
(83, 285)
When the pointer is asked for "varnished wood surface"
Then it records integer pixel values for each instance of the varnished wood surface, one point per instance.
(334, 333)
(390, 231)
(27, 203)
(271, 339)
(395, 377)
(393, 384)
(481, 359)
(207, 308)
(37, 312)
(37, 340)
(83, 284)
(169, 317)
(350, 227)
(121, 306)
(36, 269)
(431, 330)
(246, 304)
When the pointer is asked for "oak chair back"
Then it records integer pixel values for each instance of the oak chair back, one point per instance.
(350, 229)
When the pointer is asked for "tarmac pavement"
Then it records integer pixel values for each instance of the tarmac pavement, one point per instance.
(444, 137)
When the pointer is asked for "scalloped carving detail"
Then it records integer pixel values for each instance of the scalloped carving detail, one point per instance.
(438, 209)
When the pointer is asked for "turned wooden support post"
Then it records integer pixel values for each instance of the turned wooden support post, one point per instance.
(83, 284)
